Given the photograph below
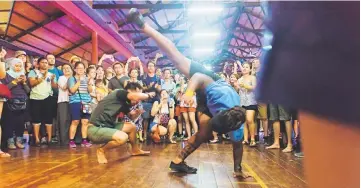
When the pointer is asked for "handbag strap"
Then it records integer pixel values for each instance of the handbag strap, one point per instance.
(81, 101)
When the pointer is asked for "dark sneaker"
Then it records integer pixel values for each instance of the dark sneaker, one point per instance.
(54, 140)
(182, 167)
(44, 141)
(299, 155)
(135, 17)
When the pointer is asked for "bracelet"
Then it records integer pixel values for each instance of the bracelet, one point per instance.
(189, 93)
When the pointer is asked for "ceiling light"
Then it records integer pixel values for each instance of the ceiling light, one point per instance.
(203, 50)
(208, 67)
(268, 47)
(205, 9)
(206, 34)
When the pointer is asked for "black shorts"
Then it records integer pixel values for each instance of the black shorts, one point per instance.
(294, 114)
(54, 105)
(251, 107)
(41, 111)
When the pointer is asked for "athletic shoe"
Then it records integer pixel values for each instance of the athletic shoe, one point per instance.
(299, 155)
(72, 144)
(85, 143)
(11, 143)
(135, 17)
(182, 167)
(44, 141)
(19, 143)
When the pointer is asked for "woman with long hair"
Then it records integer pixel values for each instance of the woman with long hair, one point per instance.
(100, 74)
(247, 84)
(80, 88)
(163, 112)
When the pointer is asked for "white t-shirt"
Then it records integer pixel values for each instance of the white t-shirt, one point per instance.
(63, 94)
(42, 90)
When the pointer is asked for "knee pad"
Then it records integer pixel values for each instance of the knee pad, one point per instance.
(236, 135)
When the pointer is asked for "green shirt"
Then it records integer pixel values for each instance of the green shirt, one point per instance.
(107, 110)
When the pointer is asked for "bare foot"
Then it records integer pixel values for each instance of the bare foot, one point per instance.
(140, 152)
(3, 154)
(273, 146)
(172, 141)
(241, 174)
(101, 156)
(287, 149)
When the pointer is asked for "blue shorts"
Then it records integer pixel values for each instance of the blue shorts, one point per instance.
(76, 112)
(237, 135)
(147, 107)
(152, 124)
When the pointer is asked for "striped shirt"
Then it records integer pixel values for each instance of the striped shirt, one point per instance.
(82, 94)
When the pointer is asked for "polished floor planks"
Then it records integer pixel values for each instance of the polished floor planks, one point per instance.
(58, 167)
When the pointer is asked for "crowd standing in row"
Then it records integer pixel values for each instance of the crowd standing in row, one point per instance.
(56, 100)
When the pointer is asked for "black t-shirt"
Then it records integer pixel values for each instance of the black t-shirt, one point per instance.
(107, 110)
(147, 80)
(314, 62)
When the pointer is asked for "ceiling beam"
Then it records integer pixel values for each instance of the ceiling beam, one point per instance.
(7, 45)
(82, 42)
(250, 21)
(243, 40)
(165, 6)
(175, 43)
(160, 31)
(150, 12)
(186, 47)
(258, 32)
(39, 25)
(250, 12)
(169, 26)
(9, 20)
(83, 13)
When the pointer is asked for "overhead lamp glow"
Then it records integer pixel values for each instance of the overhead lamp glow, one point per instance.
(208, 67)
(206, 34)
(202, 10)
(268, 47)
(203, 50)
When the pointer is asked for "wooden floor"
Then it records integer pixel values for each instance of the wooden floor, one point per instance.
(58, 167)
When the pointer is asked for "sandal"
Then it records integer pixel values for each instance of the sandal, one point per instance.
(172, 141)
(245, 142)
(3, 154)
(214, 141)
(252, 144)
